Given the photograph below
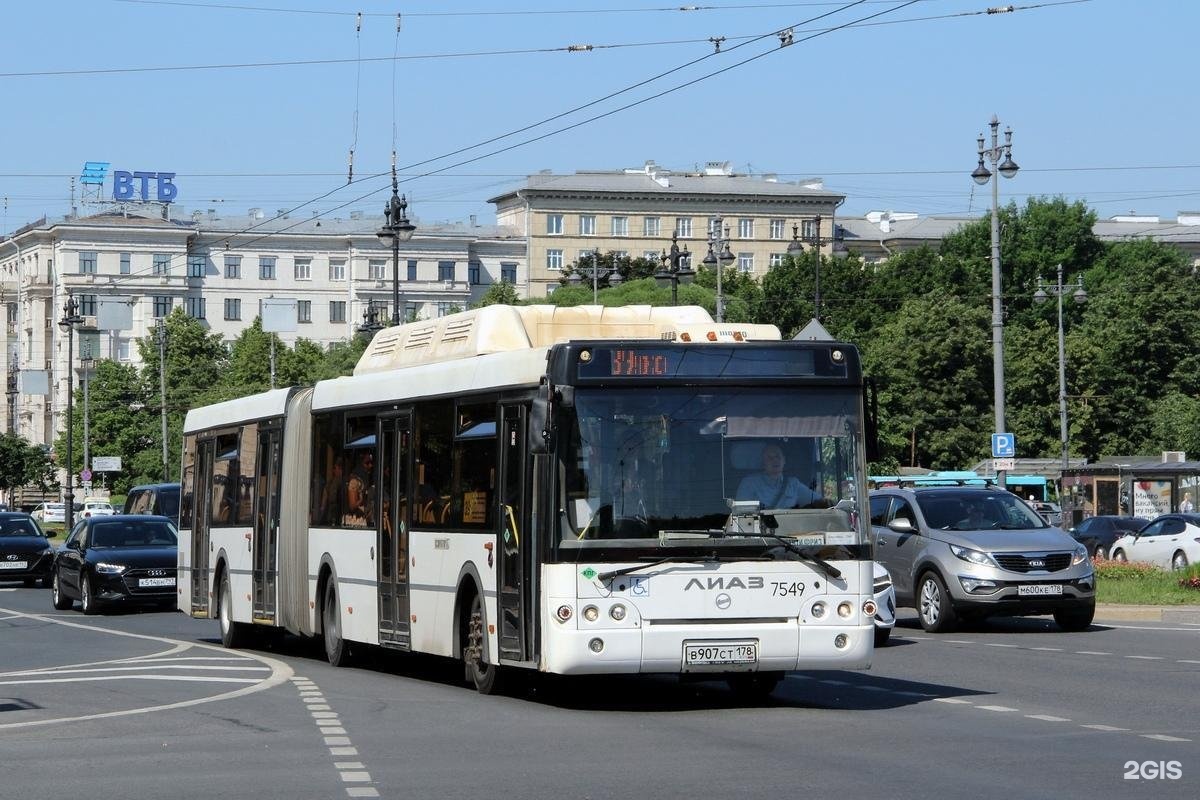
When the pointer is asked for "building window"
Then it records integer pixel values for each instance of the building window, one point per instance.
(554, 224)
(620, 254)
(650, 255)
(337, 310)
(474, 273)
(87, 305)
(745, 228)
(196, 266)
(443, 308)
(620, 226)
(683, 227)
(554, 259)
(162, 306)
(266, 268)
(508, 272)
(745, 262)
(304, 269)
(304, 311)
(587, 224)
(776, 259)
(714, 225)
(195, 307)
(412, 269)
(445, 270)
(376, 268)
(651, 226)
(162, 264)
(337, 270)
(778, 227)
(122, 349)
(809, 230)
(126, 263)
(233, 308)
(87, 262)
(233, 267)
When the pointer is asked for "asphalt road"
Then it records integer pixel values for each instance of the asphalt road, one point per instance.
(148, 705)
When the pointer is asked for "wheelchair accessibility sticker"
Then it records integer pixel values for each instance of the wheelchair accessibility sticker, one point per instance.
(639, 586)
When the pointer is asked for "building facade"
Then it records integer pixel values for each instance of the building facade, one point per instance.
(219, 270)
(634, 212)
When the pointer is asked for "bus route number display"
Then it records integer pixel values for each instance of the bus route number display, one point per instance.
(641, 363)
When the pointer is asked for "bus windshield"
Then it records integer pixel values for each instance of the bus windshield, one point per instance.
(676, 465)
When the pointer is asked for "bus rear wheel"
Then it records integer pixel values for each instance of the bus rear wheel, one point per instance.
(337, 649)
(483, 676)
(233, 634)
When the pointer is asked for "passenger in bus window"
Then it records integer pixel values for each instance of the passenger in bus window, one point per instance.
(358, 495)
(771, 487)
(332, 492)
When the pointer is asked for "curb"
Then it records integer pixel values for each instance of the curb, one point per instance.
(1118, 613)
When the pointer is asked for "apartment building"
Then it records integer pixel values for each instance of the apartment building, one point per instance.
(635, 212)
(219, 270)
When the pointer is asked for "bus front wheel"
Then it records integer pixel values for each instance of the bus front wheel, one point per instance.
(484, 676)
(337, 649)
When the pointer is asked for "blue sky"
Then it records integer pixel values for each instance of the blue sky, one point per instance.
(1097, 93)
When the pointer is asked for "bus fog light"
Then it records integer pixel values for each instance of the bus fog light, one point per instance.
(818, 609)
(617, 612)
(869, 608)
(840, 641)
(564, 613)
(596, 645)
(591, 613)
(845, 609)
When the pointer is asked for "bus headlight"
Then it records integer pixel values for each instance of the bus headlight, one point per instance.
(869, 608)
(818, 609)
(617, 612)
(845, 609)
(591, 613)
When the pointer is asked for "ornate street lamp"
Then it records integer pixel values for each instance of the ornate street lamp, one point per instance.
(595, 272)
(396, 229)
(676, 268)
(718, 243)
(70, 319)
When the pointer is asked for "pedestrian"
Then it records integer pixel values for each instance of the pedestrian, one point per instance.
(1186, 507)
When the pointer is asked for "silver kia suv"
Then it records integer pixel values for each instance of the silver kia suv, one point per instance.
(978, 551)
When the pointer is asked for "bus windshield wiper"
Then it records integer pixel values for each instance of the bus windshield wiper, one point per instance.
(805, 553)
(612, 573)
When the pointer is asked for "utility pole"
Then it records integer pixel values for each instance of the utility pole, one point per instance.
(162, 390)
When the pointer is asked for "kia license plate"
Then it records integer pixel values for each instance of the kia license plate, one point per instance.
(1038, 589)
(719, 655)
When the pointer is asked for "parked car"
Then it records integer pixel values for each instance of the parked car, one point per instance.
(93, 508)
(154, 498)
(1051, 512)
(1098, 533)
(979, 551)
(50, 512)
(25, 551)
(1171, 541)
(127, 559)
(885, 600)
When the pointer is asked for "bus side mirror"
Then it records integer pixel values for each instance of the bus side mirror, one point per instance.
(538, 429)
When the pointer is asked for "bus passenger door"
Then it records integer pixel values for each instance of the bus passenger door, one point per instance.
(514, 535)
(265, 542)
(391, 511)
(201, 515)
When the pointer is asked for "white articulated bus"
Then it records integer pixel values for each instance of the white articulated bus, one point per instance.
(548, 489)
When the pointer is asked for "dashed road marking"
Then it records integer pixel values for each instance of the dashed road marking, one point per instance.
(334, 735)
(1162, 737)
(1107, 728)
(1047, 718)
(1146, 658)
(996, 708)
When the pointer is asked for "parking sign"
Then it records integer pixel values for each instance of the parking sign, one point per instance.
(1004, 445)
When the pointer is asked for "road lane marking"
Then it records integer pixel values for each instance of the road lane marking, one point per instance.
(175, 678)
(1048, 649)
(952, 700)
(280, 672)
(335, 737)
(1162, 737)
(1091, 653)
(1047, 718)
(997, 708)
(1107, 728)
(1146, 658)
(997, 644)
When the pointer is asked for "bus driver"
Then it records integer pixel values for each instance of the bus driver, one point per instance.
(771, 488)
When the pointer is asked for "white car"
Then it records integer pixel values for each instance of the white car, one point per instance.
(96, 508)
(885, 599)
(50, 512)
(1171, 541)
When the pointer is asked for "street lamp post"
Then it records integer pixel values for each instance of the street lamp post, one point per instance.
(595, 272)
(1080, 296)
(70, 319)
(676, 268)
(718, 242)
(1008, 168)
(371, 322)
(396, 229)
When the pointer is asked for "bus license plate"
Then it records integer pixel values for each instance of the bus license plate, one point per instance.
(148, 582)
(1039, 589)
(719, 655)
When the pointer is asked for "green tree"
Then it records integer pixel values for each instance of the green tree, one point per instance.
(502, 293)
(22, 463)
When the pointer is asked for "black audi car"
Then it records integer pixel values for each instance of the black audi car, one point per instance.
(120, 559)
(25, 552)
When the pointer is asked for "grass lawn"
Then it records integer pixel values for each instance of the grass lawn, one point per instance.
(1143, 584)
